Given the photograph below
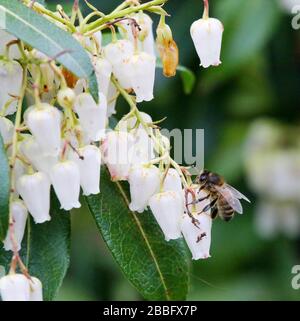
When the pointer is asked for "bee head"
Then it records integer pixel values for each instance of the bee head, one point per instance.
(202, 178)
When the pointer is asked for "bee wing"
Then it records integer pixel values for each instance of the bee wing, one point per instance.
(232, 200)
(236, 193)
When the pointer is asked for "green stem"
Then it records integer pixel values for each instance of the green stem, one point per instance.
(118, 14)
(15, 136)
(157, 145)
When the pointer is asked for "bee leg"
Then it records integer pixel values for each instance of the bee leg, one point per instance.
(214, 212)
(194, 220)
(209, 206)
(199, 200)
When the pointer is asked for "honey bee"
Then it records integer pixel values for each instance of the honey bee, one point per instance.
(224, 199)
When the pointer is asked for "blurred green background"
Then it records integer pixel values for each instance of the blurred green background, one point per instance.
(259, 78)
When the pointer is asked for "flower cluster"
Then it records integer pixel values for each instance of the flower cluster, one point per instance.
(62, 138)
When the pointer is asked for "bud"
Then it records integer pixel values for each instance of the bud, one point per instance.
(198, 238)
(19, 215)
(6, 130)
(5, 38)
(144, 182)
(65, 178)
(35, 155)
(35, 192)
(167, 48)
(89, 163)
(103, 71)
(144, 33)
(14, 287)
(36, 289)
(142, 75)
(207, 37)
(92, 116)
(166, 208)
(117, 151)
(66, 97)
(44, 122)
(11, 74)
(118, 54)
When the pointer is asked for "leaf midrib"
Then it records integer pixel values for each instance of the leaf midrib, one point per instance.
(43, 34)
(125, 198)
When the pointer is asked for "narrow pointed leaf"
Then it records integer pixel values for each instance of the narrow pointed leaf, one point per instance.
(38, 32)
(158, 269)
(4, 191)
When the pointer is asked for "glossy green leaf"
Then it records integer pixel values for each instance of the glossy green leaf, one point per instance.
(158, 269)
(4, 190)
(46, 250)
(188, 77)
(45, 36)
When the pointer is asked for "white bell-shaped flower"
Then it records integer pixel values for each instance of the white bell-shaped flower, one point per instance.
(20, 170)
(35, 192)
(88, 160)
(36, 289)
(44, 122)
(92, 116)
(172, 181)
(65, 178)
(11, 74)
(117, 151)
(145, 36)
(198, 238)
(142, 75)
(144, 182)
(118, 54)
(6, 130)
(35, 155)
(112, 96)
(103, 69)
(207, 37)
(14, 287)
(19, 215)
(5, 38)
(167, 210)
(143, 144)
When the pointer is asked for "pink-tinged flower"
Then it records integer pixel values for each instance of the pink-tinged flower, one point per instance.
(117, 151)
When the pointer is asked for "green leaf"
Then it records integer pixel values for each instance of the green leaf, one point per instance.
(158, 269)
(46, 250)
(187, 75)
(188, 79)
(4, 191)
(45, 36)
